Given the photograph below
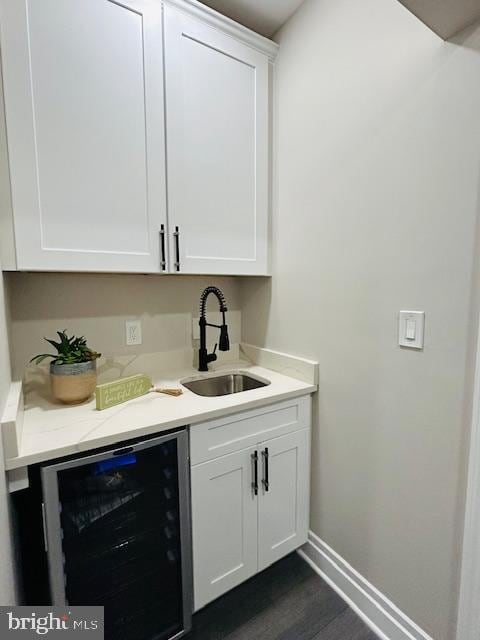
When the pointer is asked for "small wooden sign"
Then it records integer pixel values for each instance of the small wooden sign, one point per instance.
(111, 393)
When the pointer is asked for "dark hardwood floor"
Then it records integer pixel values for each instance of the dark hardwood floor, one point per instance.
(287, 601)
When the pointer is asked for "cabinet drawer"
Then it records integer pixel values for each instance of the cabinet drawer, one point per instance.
(216, 438)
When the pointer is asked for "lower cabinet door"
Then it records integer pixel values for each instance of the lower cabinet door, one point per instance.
(283, 496)
(224, 524)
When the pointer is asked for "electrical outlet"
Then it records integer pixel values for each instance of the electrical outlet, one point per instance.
(133, 332)
(195, 329)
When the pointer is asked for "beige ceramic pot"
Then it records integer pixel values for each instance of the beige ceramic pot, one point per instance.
(73, 383)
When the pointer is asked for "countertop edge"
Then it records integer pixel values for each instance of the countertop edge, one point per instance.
(158, 427)
(11, 422)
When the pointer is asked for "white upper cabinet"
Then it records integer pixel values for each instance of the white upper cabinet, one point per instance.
(83, 85)
(217, 137)
(83, 98)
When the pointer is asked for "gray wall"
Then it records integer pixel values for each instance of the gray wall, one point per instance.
(377, 142)
(8, 586)
(97, 305)
(7, 575)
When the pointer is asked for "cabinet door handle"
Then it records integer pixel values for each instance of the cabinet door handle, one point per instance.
(266, 480)
(163, 262)
(255, 473)
(176, 235)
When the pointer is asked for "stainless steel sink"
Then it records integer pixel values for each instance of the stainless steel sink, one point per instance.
(224, 385)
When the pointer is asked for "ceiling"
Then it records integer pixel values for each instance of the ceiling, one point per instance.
(445, 17)
(263, 16)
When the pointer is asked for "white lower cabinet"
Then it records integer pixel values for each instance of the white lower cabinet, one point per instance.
(225, 518)
(249, 507)
(284, 502)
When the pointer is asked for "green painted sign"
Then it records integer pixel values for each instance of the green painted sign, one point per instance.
(111, 393)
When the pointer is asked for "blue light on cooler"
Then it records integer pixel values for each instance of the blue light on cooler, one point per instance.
(115, 463)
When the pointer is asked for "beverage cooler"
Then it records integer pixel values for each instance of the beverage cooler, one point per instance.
(117, 534)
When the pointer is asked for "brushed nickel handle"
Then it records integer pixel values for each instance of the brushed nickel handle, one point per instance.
(44, 522)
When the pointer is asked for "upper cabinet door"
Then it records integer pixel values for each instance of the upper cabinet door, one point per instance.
(217, 148)
(85, 125)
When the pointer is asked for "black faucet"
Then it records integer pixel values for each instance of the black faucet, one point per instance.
(223, 343)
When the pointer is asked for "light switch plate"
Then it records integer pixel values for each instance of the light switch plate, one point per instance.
(411, 328)
(133, 332)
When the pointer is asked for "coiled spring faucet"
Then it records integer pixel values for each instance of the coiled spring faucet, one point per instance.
(223, 343)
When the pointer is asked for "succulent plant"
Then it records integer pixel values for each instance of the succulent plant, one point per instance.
(69, 350)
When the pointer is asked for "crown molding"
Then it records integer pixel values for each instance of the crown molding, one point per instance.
(226, 25)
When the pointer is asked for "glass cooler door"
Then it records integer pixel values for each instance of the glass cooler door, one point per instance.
(118, 534)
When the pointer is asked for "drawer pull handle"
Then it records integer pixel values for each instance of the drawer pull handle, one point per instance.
(266, 480)
(255, 473)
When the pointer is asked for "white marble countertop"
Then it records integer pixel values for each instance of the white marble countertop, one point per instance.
(53, 430)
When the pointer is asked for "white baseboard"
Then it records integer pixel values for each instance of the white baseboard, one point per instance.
(378, 612)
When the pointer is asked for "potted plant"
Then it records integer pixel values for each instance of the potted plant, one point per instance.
(73, 369)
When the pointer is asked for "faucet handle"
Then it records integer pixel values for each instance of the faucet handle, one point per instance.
(215, 349)
(211, 357)
(224, 340)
